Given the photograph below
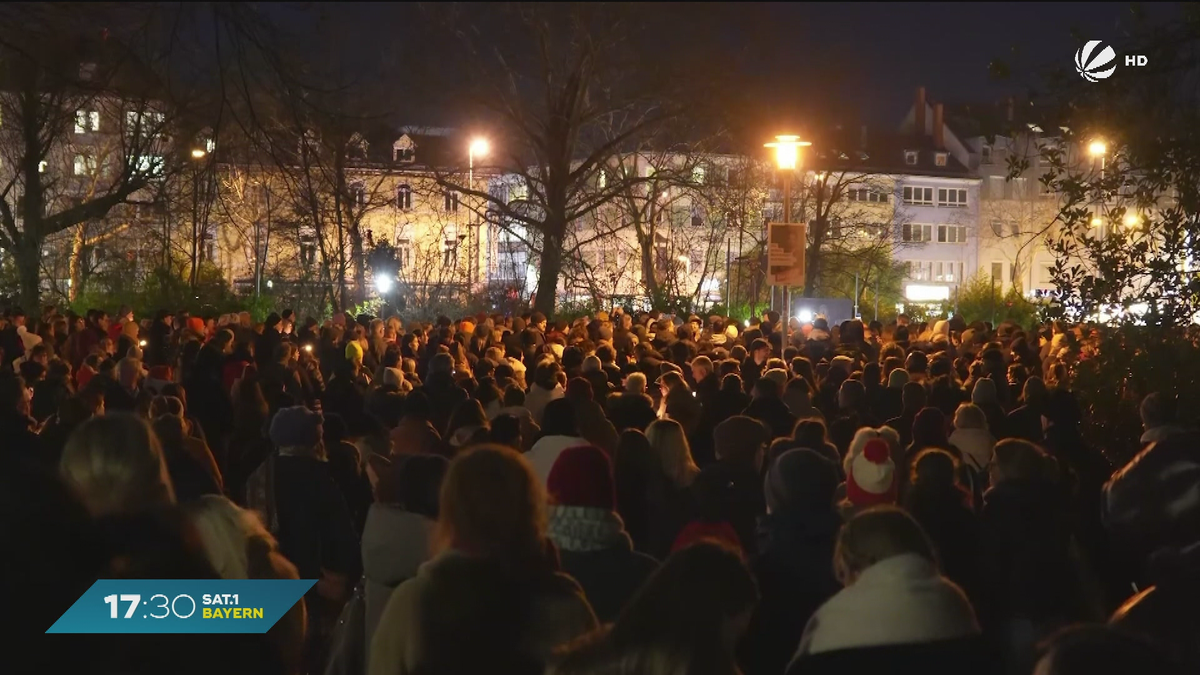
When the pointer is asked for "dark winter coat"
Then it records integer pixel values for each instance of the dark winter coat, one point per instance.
(774, 413)
(1026, 555)
(609, 577)
(315, 527)
(795, 576)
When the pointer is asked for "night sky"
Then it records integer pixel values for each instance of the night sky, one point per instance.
(796, 65)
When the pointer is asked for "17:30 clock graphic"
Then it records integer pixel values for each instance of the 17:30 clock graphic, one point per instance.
(182, 606)
(167, 606)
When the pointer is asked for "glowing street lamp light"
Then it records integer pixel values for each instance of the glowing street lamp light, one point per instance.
(199, 153)
(383, 284)
(787, 157)
(787, 151)
(1097, 148)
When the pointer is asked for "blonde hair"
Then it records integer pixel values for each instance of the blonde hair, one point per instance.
(492, 504)
(116, 464)
(229, 533)
(669, 444)
(635, 383)
(970, 416)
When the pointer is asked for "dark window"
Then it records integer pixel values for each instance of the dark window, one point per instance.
(404, 197)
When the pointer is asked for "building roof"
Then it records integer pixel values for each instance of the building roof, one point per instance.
(883, 153)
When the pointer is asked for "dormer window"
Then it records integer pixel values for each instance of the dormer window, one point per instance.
(941, 158)
(404, 150)
(985, 154)
(87, 71)
(910, 157)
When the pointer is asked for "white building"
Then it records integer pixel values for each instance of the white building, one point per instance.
(937, 204)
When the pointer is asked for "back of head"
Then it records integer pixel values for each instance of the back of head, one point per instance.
(493, 505)
(669, 444)
(739, 440)
(1157, 409)
(226, 531)
(558, 419)
(766, 388)
(851, 395)
(680, 608)
(984, 392)
(116, 464)
(1016, 459)
(635, 383)
(801, 479)
(582, 476)
(934, 470)
(506, 431)
(876, 534)
(912, 396)
(732, 382)
(970, 416)
(579, 389)
(414, 483)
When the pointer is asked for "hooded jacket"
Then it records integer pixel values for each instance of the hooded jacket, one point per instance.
(466, 614)
(394, 546)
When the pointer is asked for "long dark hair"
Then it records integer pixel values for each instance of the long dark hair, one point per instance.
(676, 623)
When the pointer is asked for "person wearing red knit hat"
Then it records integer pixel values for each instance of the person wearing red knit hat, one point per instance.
(592, 542)
(871, 480)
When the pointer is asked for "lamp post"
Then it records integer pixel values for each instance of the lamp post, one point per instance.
(480, 147)
(1098, 149)
(787, 157)
(198, 154)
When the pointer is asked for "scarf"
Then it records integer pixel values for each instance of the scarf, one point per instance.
(582, 528)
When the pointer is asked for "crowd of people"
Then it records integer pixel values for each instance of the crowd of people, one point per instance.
(620, 493)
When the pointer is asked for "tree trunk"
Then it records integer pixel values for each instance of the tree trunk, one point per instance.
(28, 258)
(75, 265)
(358, 259)
(548, 272)
(649, 277)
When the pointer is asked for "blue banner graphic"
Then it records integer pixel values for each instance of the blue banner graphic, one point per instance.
(182, 606)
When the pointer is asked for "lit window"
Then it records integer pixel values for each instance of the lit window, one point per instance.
(150, 164)
(404, 197)
(941, 158)
(87, 121)
(918, 196)
(42, 166)
(450, 253)
(698, 175)
(85, 165)
(404, 253)
(602, 179)
(520, 192)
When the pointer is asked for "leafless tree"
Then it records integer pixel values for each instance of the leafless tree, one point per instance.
(88, 126)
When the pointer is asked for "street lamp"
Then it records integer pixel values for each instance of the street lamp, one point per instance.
(1097, 148)
(479, 146)
(197, 155)
(787, 157)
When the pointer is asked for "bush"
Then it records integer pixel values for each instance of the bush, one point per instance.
(1119, 368)
(980, 300)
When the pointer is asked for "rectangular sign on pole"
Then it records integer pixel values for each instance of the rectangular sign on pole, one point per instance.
(786, 246)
